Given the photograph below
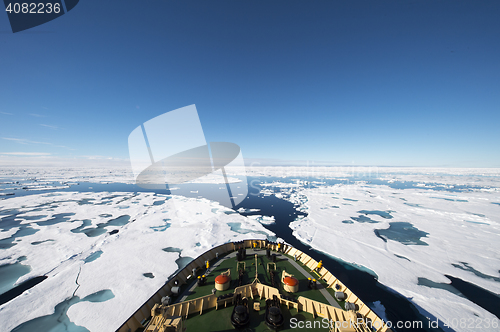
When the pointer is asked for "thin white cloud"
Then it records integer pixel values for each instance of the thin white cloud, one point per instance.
(97, 157)
(49, 126)
(37, 115)
(23, 141)
(51, 160)
(6, 113)
(27, 141)
(25, 153)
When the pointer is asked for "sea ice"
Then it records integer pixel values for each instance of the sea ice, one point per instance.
(461, 221)
(195, 226)
(451, 239)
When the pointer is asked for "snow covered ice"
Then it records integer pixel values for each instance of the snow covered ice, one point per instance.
(439, 231)
(410, 229)
(193, 226)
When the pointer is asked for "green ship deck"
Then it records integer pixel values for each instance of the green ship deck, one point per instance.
(283, 262)
(222, 320)
(203, 308)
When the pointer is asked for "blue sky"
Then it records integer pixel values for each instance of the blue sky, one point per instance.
(393, 83)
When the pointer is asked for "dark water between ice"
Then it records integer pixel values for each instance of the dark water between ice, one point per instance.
(362, 283)
(9, 273)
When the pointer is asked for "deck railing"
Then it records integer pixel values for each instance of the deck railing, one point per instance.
(184, 276)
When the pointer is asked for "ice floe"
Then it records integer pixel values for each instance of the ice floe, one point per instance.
(266, 220)
(424, 240)
(446, 223)
(79, 265)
